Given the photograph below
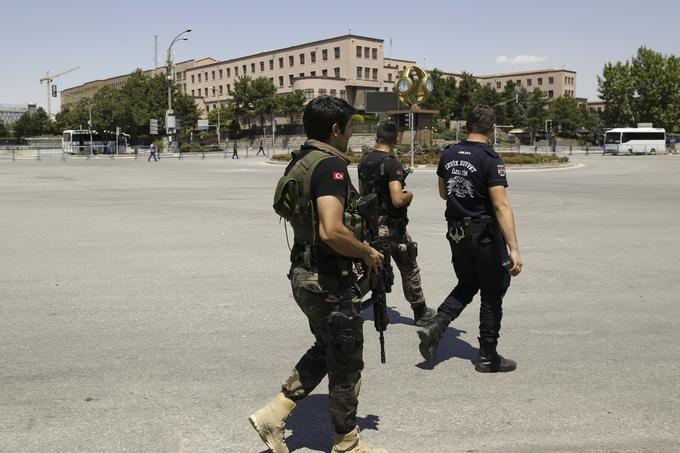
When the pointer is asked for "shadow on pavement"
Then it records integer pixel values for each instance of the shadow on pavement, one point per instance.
(394, 315)
(311, 425)
(451, 346)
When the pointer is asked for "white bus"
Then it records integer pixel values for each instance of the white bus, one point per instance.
(641, 140)
(79, 141)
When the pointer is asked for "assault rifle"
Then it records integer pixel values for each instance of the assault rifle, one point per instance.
(380, 283)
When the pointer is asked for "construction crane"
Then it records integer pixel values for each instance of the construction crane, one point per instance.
(49, 78)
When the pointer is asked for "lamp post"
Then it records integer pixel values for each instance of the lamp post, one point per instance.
(89, 114)
(170, 128)
(219, 107)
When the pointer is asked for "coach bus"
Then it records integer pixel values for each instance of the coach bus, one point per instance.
(641, 140)
(81, 141)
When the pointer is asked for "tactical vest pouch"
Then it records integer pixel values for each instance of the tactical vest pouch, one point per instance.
(287, 198)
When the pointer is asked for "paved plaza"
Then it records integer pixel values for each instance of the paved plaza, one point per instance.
(144, 308)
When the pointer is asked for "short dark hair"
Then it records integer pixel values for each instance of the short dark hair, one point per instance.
(386, 133)
(480, 119)
(322, 112)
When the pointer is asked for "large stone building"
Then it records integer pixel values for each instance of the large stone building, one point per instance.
(345, 66)
(88, 89)
(553, 82)
(9, 113)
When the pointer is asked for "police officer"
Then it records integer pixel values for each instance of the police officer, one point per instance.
(382, 174)
(327, 229)
(481, 228)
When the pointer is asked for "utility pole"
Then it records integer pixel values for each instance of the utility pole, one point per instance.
(170, 125)
(48, 79)
(155, 51)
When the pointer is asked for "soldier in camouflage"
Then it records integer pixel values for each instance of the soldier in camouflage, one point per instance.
(382, 174)
(317, 197)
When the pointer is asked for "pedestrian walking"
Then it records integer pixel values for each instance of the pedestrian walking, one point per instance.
(481, 228)
(322, 277)
(152, 153)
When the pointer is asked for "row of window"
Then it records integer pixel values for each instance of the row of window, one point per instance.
(309, 93)
(324, 73)
(366, 51)
(568, 80)
(219, 89)
(529, 82)
(243, 69)
(367, 73)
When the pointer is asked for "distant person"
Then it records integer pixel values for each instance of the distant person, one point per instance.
(234, 154)
(152, 153)
(261, 150)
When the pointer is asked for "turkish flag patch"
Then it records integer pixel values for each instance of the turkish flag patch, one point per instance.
(338, 176)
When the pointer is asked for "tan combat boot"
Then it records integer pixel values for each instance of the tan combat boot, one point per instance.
(351, 443)
(269, 422)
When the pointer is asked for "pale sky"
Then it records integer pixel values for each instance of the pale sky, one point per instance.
(106, 38)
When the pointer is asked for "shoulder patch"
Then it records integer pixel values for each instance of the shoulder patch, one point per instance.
(501, 170)
(338, 176)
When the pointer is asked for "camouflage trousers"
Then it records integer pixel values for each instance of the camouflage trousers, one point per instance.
(337, 350)
(404, 257)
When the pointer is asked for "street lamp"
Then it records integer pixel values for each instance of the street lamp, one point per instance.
(89, 113)
(219, 107)
(169, 125)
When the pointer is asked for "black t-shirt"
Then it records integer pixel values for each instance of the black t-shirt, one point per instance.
(392, 170)
(330, 176)
(469, 169)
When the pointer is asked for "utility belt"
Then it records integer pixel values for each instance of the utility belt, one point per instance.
(396, 223)
(466, 227)
(315, 258)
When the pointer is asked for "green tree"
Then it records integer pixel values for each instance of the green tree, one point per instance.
(3, 130)
(534, 106)
(23, 126)
(616, 89)
(443, 93)
(566, 116)
(262, 93)
(290, 104)
(464, 96)
(241, 101)
(592, 125)
(41, 123)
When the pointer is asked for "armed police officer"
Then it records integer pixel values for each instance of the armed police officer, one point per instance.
(481, 228)
(317, 197)
(381, 173)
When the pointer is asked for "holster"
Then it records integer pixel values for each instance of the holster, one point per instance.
(346, 331)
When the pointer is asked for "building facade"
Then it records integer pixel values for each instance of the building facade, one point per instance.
(553, 82)
(89, 89)
(345, 66)
(9, 113)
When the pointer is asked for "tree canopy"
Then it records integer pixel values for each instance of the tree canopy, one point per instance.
(644, 89)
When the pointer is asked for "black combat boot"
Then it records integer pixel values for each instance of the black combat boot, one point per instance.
(430, 336)
(422, 314)
(492, 362)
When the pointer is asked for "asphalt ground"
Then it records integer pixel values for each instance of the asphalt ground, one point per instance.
(144, 308)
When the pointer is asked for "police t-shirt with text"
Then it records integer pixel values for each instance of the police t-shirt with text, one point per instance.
(469, 169)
